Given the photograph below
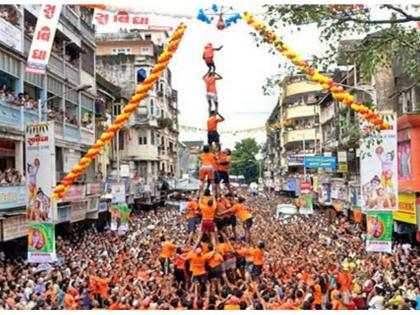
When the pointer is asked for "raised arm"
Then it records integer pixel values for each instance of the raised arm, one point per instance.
(220, 47)
(221, 117)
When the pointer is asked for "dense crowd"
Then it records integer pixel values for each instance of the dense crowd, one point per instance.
(11, 177)
(296, 262)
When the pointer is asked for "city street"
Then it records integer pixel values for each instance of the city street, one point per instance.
(187, 156)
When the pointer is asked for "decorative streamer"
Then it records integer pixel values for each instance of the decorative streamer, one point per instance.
(327, 84)
(121, 120)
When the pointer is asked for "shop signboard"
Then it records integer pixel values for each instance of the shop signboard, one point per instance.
(295, 160)
(343, 167)
(13, 196)
(78, 210)
(118, 193)
(74, 193)
(379, 231)
(406, 209)
(14, 227)
(329, 162)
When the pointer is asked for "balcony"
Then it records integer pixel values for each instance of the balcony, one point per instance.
(56, 64)
(71, 16)
(300, 135)
(300, 112)
(302, 87)
(137, 120)
(87, 31)
(30, 116)
(59, 130)
(72, 73)
(71, 132)
(87, 136)
(13, 196)
(140, 153)
(10, 115)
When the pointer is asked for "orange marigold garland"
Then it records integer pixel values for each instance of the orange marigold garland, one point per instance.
(121, 120)
(326, 83)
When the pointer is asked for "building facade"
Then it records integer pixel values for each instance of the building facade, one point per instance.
(65, 95)
(148, 143)
(297, 120)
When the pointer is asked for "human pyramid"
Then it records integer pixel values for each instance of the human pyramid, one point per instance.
(215, 255)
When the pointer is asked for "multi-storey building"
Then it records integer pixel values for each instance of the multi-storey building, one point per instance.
(297, 120)
(149, 141)
(70, 88)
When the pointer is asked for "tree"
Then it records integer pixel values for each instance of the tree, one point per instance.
(244, 161)
(391, 38)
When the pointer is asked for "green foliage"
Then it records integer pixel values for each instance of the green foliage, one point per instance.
(244, 161)
(390, 38)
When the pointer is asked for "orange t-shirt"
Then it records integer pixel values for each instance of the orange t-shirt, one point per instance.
(208, 212)
(241, 212)
(210, 81)
(317, 294)
(231, 307)
(223, 158)
(192, 207)
(257, 256)
(167, 249)
(69, 302)
(214, 259)
(115, 307)
(179, 262)
(224, 248)
(212, 123)
(197, 264)
(207, 159)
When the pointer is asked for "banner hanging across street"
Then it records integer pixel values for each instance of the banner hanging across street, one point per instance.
(379, 232)
(129, 20)
(40, 180)
(379, 169)
(43, 38)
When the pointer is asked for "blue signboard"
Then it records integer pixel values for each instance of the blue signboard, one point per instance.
(293, 159)
(13, 197)
(320, 162)
(292, 185)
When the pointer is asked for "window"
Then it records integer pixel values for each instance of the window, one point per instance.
(148, 37)
(152, 107)
(143, 138)
(121, 140)
(145, 50)
(162, 113)
(121, 51)
(152, 138)
(88, 59)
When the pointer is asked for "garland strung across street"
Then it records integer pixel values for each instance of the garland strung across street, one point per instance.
(121, 120)
(327, 84)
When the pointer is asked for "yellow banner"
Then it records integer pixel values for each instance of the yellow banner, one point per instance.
(406, 209)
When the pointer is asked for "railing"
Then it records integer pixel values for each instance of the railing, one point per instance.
(87, 31)
(71, 132)
(10, 115)
(71, 16)
(27, 45)
(300, 135)
(87, 136)
(72, 73)
(300, 111)
(56, 64)
(30, 116)
(13, 196)
(59, 129)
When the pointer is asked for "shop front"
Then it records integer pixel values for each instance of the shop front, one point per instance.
(406, 220)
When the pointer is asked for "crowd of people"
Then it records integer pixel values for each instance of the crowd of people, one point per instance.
(11, 177)
(9, 13)
(305, 264)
